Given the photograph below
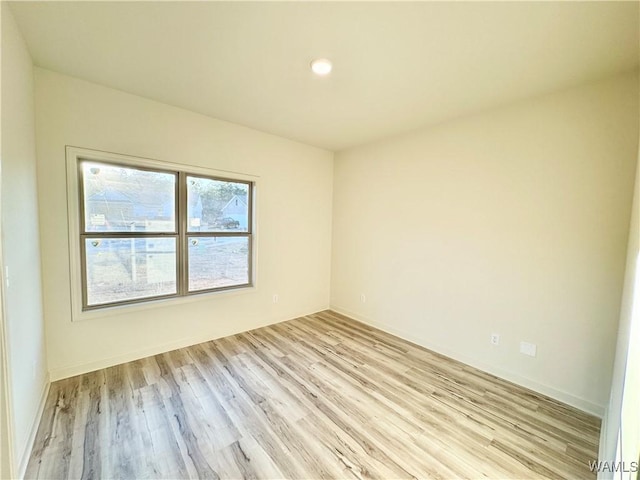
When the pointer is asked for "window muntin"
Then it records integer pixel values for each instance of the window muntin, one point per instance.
(148, 233)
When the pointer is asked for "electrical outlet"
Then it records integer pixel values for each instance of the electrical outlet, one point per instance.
(527, 348)
(495, 339)
(363, 298)
(275, 298)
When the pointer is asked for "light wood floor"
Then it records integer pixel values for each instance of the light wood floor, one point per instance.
(321, 396)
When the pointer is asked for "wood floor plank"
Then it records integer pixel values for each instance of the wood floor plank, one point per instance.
(186, 425)
(164, 444)
(408, 418)
(321, 396)
(243, 413)
(451, 389)
(332, 408)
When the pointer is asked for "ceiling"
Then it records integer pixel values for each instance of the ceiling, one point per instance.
(397, 66)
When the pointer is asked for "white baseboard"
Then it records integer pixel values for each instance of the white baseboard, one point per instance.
(565, 397)
(28, 447)
(79, 369)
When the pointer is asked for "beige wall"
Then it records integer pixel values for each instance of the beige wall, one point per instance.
(293, 209)
(514, 221)
(27, 367)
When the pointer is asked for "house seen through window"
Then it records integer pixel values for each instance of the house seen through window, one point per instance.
(148, 234)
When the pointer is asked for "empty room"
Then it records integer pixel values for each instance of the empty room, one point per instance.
(303, 240)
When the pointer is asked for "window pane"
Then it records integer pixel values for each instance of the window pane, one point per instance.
(217, 205)
(120, 269)
(216, 262)
(120, 199)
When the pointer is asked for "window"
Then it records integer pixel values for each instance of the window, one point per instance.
(147, 233)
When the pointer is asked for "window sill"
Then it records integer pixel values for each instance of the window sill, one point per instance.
(160, 303)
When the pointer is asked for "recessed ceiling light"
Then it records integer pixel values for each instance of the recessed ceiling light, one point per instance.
(321, 66)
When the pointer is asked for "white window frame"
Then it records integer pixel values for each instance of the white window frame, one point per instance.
(76, 154)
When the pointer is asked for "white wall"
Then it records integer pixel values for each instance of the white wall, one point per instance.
(514, 221)
(629, 446)
(293, 208)
(625, 386)
(27, 372)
